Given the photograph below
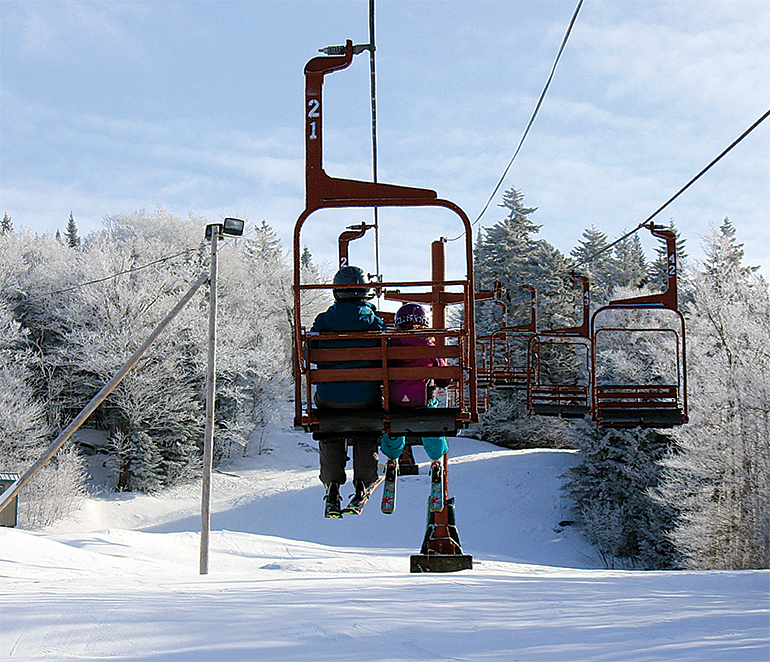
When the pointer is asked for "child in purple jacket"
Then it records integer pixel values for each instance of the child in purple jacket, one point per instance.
(414, 392)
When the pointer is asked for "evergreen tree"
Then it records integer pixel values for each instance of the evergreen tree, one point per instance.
(722, 476)
(135, 461)
(724, 267)
(596, 261)
(507, 252)
(611, 489)
(306, 262)
(266, 245)
(53, 491)
(7, 225)
(630, 263)
(71, 234)
(313, 301)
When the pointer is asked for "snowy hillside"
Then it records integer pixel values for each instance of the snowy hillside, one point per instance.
(119, 580)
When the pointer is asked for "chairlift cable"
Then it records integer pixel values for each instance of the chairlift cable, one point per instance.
(373, 88)
(646, 222)
(123, 273)
(532, 118)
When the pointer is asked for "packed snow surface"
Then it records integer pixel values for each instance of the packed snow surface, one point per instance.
(120, 579)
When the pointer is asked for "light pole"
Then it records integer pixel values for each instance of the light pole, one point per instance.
(214, 231)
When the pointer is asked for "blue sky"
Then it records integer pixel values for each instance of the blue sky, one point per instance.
(110, 107)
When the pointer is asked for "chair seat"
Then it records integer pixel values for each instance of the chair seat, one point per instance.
(417, 421)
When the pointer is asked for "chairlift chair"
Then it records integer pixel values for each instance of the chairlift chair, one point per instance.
(441, 550)
(566, 400)
(498, 367)
(656, 402)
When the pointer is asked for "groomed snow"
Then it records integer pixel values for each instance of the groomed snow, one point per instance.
(119, 580)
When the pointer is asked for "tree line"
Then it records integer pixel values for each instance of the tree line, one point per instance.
(68, 325)
(695, 496)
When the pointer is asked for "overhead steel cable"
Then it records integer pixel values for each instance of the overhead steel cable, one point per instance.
(532, 118)
(123, 273)
(646, 222)
(534, 113)
(373, 89)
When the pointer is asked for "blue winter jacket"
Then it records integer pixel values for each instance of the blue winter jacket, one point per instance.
(348, 316)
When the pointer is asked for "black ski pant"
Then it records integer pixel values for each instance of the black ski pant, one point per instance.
(334, 456)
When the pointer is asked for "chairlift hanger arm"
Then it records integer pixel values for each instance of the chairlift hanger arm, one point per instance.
(668, 298)
(353, 232)
(583, 330)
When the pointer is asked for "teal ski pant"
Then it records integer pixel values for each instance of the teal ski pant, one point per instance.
(393, 446)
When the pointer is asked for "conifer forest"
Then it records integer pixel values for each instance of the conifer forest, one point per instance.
(73, 308)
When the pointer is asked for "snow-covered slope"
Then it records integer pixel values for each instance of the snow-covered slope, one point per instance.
(119, 580)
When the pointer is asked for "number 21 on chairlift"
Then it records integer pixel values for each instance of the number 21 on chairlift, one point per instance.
(313, 113)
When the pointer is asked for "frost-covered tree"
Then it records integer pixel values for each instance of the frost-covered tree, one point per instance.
(156, 409)
(313, 301)
(630, 263)
(85, 312)
(721, 478)
(657, 270)
(612, 492)
(508, 252)
(54, 491)
(596, 260)
(7, 224)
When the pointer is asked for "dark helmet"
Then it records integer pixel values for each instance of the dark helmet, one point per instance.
(411, 314)
(350, 276)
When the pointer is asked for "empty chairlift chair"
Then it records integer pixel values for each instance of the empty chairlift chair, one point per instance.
(502, 354)
(561, 396)
(648, 334)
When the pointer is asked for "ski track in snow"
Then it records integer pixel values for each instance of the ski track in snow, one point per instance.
(119, 579)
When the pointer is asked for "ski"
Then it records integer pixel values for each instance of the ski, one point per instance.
(436, 498)
(389, 487)
(357, 502)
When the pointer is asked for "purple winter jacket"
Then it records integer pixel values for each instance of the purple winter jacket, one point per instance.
(411, 392)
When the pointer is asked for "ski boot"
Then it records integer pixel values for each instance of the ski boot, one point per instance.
(333, 507)
(359, 499)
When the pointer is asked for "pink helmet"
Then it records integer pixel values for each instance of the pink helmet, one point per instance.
(411, 313)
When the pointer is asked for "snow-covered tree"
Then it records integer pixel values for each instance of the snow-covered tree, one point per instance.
(657, 270)
(612, 491)
(507, 252)
(596, 260)
(85, 312)
(71, 234)
(630, 263)
(721, 478)
(54, 491)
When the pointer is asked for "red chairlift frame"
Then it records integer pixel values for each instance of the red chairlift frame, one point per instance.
(564, 400)
(323, 192)
(645, 405)
(507, 376)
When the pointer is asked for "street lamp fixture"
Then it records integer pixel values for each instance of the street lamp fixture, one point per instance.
(231, 226)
